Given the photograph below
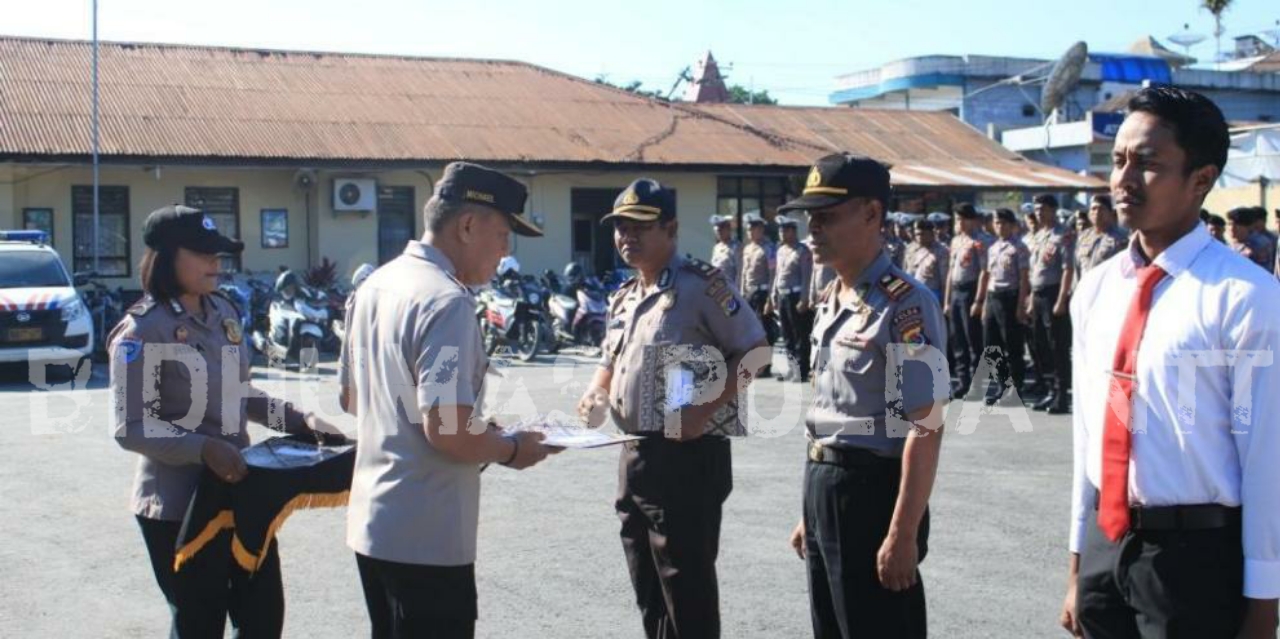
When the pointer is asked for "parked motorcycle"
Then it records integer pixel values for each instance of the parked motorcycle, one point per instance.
(510, 315)
(298, 319)
(577, 309)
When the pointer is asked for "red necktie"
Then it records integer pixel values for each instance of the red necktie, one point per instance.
(1113, 502)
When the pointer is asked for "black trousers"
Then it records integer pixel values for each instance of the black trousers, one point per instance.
(1004, 337)
(796, 327)
(670, 497)
(1051, 336)
(847, 512)
(965, 332)
(757, 300)
(211, 586)
(1179, 584)
(415, 601)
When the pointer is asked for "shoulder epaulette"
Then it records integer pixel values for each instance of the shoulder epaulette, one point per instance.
(895, 287)
(142, 306)
(703, 269)
(234, 305)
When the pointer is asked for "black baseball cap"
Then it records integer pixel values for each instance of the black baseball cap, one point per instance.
(645, 200)
(468, 182)
(188, 228)
(840, 177)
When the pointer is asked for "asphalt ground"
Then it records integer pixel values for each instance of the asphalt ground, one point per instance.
(550, 563)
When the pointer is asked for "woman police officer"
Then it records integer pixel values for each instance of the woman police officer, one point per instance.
(174, 406)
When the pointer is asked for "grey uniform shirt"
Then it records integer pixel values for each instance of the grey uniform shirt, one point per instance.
(183, 389)
(822, 276)
(727, 256)
(1051, 254)
(851, 355)
(693, 305)
(795, 270)
(1094, 248)
(414, 344)
(896, 249)
(968, 257)
(1007, 260)
(928, 264)
(757, 275)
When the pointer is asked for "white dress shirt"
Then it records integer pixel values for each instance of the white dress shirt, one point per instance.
(1217, 442)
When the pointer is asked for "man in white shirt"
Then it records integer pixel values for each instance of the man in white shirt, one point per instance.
(1175, 528)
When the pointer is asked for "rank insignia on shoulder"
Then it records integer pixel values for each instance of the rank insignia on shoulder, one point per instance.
(128, 349)
(143, 306)
(703, 269)
(723, 296)
(895, 286)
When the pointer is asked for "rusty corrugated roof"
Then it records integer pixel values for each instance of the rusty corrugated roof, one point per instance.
(178, 101)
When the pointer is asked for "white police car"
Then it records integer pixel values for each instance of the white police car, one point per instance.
(42, 318)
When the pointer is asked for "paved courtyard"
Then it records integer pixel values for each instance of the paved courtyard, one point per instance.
(550, 562)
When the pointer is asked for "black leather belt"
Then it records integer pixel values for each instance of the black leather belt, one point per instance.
(850, 457)
(1194, 517)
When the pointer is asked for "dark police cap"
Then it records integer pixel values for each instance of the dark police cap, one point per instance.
(645, 200)
(839, 178)
(467, 182)
(1006, 215)
(967, 211)
(188, 228)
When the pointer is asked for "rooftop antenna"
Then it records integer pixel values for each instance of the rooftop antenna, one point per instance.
(684, 76)
(1062, 80)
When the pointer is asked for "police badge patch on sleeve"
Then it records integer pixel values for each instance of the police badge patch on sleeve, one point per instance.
(128, 349)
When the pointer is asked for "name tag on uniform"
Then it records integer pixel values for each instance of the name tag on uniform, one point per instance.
(679, 389)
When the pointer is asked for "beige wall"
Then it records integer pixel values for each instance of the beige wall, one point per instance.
(347, 238)
(1222, 200)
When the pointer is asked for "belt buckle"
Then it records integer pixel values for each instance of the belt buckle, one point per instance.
(815, 452)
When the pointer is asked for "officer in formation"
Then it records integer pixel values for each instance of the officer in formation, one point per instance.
(790, 297)
(726, 255)
(414, 340)
(927, 258)
(674, 481)
(893, 242)
(757, 275)
(968, 260)
(175, 343)
(1002, 294)
(1052, 272)
(1103, 239)
(1246, 230)
(873, 444)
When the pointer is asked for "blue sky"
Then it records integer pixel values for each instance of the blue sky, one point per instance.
(792, 49)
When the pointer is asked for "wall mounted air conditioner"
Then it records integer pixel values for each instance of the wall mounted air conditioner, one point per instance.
(351, 194)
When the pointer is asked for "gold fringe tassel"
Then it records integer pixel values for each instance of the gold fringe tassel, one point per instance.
(251, 562)
(224, 520)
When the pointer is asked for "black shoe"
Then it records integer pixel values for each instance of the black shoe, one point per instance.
(1046, 402)
(1059, 409)
(990, 400)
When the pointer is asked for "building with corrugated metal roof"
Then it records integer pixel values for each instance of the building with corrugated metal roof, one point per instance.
(309, 155)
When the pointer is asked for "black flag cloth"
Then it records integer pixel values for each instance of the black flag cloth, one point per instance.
(285, 474)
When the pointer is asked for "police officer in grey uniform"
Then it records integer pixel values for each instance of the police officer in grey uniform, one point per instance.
(167, 358)
(1002, 294)
(1246, 239)
(412, 371)
(1052, 272)
(874, 436)
(1103, 239)
(726, 255)
(757, 277)
(968, 260)
(790, 296)
(927, 259)
(680, 345)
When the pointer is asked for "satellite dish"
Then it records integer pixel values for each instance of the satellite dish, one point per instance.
(1186, 39)
(1063, 78)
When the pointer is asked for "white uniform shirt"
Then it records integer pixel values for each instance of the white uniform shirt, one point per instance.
(1218, 442)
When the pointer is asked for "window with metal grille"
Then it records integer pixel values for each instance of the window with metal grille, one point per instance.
(738, 196)
(222, 205)
(113, 230)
